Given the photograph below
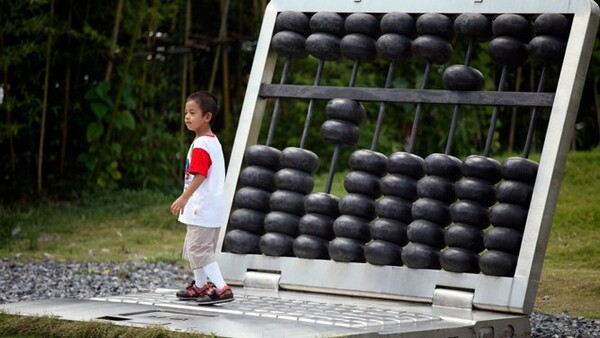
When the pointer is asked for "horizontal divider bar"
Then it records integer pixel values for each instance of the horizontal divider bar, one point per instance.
(478, 98)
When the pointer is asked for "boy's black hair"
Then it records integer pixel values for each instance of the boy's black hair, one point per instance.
(207, 102)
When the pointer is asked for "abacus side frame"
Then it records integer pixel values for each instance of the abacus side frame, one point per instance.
(517, 294)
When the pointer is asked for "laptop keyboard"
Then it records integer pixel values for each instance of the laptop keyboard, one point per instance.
(343, 315)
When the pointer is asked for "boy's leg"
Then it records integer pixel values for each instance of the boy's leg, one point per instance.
(198, 241)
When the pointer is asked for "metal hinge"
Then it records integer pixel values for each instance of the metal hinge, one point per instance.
(265, 280)
(453, 298)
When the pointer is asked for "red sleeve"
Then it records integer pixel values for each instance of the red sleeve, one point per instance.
(200, 162)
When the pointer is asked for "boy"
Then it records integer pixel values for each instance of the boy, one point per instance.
(201, 206)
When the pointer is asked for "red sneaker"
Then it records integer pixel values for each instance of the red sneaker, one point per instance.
(216, 296)
(193, 292)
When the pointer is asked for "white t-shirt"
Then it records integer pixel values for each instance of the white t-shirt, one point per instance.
(206, 206)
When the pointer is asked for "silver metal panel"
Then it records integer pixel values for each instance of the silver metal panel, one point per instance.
(496, 293)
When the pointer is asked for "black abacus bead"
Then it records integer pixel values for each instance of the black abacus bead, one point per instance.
(276, 244)
(317, 225)
(465, 236)
(359, 47)
(346, 110)
(241, 242)
(340, 132)
(547, 49)
(426, 232)
(348, 226)
(406, 164)
(322, 203)
(379, 252)
(470, 212)
(310, 247)
(394, 208)
(508, 215)
(436, 187)
(248, 219)
(498, 263)
(362, 23)
(398, 23)
(370, 161)
(552, 24)
(461, 77)
(443, 165)
(294, 180)
(519, 169)
(459, 260)
(420, 256)
(431, 210)
(261, 155)
(252, 198)
(389, 230)
(509, 51)
(399, 185)
(515, 192)
(362, 182)
(327, 22)
(258, 177)
(514, 25)
(394, 47)
(346, 250)
(292, 21)
(298, 158)
(435, 24)
(432, 49)
(475, 189)
(473, 26)
(287, 201)
(482, 167)
(503, 239)
(357, 205)
(290, 44)
(282, 222)
(324, 46)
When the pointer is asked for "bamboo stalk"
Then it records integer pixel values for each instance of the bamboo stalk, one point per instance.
(222, 38)
(114, 37)
(44, 104)
(6, 87)
(67, 103)
(184, 79)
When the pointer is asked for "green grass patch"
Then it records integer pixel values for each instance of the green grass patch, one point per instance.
(52, 327)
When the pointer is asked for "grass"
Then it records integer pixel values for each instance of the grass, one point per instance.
(50, 327)
(128, 225)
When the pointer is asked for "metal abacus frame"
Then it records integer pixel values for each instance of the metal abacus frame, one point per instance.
(512, 294)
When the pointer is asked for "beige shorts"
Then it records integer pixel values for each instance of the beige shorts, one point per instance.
(200, 245)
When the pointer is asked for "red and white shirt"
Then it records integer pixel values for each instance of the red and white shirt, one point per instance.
(206, 206)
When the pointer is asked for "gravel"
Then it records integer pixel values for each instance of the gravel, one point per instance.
(49, 279)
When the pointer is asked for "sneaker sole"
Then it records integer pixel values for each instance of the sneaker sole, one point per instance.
(213, 302)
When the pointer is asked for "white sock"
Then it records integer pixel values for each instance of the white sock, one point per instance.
(214, 273)
(200, 277)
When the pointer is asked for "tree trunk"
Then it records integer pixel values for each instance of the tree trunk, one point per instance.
(44, 103)
(115, 36)
(184, 78)
(222, 39)
(67, 103)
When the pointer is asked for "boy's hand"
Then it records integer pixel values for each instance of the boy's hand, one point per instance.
(178, 205)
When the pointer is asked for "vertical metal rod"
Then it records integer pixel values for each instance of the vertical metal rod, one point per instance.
(534, 110)
(277, 107)
(454, 122)
(311, 106)
(334, 159)
(490, 135)
(382, 105)
(415, 126)
(354, 73)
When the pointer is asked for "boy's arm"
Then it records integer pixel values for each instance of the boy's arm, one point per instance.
(182, 200)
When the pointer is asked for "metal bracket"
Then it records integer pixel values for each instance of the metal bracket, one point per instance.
(262, 280)
(453, 298)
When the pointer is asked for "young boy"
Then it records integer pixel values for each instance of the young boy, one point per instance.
(201, 206)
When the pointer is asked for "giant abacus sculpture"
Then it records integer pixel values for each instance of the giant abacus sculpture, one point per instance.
(418, 223)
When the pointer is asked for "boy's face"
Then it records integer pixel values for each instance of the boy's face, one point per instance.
(194, 119)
